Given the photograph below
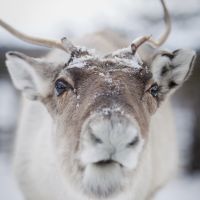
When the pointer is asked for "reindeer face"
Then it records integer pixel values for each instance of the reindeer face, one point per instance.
(106, 119)
(101, 108)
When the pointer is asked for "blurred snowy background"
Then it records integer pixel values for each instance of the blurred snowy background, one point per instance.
(129, 18)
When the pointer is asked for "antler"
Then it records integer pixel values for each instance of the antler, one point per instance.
(64, 44)
(67, 46)
(167, 31)
(139, 41)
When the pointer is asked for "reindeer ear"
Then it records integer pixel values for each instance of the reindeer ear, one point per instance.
(28, 74)
(170, 70)
(147, 52)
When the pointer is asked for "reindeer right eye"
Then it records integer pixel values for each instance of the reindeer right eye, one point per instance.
(62, 86)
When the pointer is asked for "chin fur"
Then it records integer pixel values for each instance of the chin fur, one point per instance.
(103, 181)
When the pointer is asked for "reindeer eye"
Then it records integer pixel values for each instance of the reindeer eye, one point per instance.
(62, 86)
(154, 90)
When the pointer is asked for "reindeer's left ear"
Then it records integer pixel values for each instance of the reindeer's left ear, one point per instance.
(30, 75)
(170, 70)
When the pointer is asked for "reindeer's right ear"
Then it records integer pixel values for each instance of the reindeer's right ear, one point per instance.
(170, 70)
(30, 75)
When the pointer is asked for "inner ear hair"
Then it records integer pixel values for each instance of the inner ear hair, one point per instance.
(164, 70)
(190, 68)
(172, 84)
(168, 54)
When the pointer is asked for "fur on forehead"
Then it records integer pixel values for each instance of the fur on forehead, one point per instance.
(120, 59)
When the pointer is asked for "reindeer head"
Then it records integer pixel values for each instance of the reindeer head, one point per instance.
(101, 106)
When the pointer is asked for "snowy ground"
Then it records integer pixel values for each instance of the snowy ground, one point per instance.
(8, 187)
(183, 188)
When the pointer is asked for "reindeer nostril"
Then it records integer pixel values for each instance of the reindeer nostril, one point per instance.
(104, 162)
(95, 139)
(133, 142)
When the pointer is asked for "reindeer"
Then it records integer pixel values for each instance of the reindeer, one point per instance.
(97, 126)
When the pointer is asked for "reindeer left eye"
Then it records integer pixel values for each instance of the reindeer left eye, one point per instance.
(62, 86)
(154, 90)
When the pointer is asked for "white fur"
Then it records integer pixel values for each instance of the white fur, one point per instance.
(181, 63)
(156, 166)
(25, 77)
(115, 135)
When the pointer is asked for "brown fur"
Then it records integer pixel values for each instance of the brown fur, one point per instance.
(127, 91)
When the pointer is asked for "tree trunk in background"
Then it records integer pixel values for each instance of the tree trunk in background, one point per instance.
(189, 97)
(195, 148)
